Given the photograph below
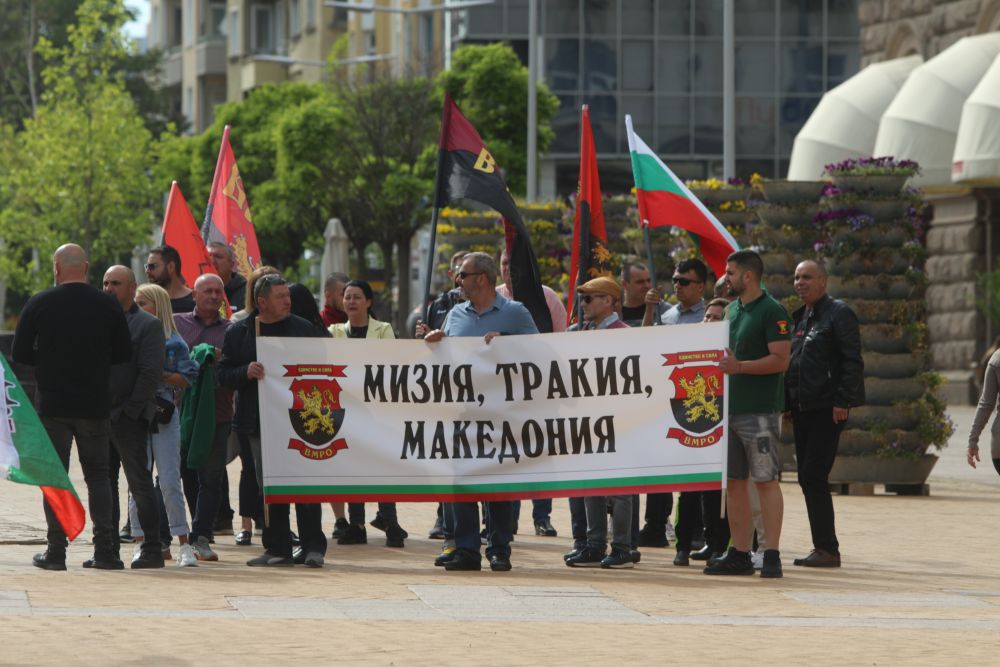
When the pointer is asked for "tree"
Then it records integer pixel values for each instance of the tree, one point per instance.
(363, 153)
(490, 85)
(78, 172)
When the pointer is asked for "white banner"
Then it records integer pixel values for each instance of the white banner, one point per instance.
(568, 414)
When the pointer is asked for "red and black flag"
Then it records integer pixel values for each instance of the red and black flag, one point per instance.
(466, 170)
(591, 257)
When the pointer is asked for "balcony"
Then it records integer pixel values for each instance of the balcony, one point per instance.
(172, 68)
(255, 73)
(210, 57)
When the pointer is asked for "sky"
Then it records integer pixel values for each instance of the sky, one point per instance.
(137, 28)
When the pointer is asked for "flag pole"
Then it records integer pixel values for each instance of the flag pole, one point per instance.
(445, 118)
(166, 211)
(207, 224)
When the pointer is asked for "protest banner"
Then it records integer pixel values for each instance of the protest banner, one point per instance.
(535, 416)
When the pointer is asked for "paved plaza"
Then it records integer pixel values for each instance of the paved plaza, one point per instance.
(918, 586)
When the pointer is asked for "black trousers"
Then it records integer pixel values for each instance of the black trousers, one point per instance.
(356, 513)
(251, 505)
(700, 510)
(277, 536)
(658, 509)
(92, 448)
(129, 438)
(816, 440)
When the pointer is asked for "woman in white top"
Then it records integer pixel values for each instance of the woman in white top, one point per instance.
(358, 301)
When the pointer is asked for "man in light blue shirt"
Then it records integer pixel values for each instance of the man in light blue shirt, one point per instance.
(689, 288)
(484, 313)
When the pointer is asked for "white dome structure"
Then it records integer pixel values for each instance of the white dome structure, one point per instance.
(922, 122)
(846, 121)
(977, 147)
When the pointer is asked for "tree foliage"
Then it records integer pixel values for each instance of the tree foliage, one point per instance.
(78, 170)
(490, 85)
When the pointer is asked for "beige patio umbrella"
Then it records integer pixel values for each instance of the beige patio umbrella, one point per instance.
(845, 122)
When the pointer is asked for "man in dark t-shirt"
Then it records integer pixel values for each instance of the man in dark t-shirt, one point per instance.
(72, 334)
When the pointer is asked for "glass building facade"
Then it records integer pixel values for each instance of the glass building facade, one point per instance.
(661, 61)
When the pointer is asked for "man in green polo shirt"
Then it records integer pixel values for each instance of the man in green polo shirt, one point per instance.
(760, 344)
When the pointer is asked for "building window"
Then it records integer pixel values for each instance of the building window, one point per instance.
(310, 14)
(177, 27)
(263, 30)
(188, 103)
(235, 45)
(213, 25)
(294, 17)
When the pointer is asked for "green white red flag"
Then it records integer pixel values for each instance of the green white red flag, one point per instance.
(665, 201)
(28, 457)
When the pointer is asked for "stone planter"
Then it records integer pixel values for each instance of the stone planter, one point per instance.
(857, 264)
(878, 236)
(779, 262)
(862, 442)
(879, 391)
(710, 197)
(779, 215)
(885, 338)
(792, 192)
(892, 366)
(870, 287)
(877, 311)
(779, 286)
(875, 470)
(734, 218)
(876, 184)
(900, 416)
(885, 210)
(771, 237)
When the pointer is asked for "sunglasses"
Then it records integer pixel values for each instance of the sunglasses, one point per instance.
(684, 282)
(587, 298)
(462, 275)
(268, 279)
(150, 266)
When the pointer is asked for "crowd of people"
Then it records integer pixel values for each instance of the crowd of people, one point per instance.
(156, 377)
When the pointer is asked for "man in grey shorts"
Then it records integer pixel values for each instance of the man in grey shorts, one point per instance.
(760, 344)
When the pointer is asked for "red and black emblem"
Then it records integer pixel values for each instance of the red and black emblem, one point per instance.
(316, 413)
(697, 404)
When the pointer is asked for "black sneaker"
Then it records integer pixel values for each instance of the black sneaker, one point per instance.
(354, 535)
(545, 528)
(340, 527)
(394, 535)
(577, 548)
(652, 537)
(378, 523)
(772, 565)
(733, 563)
(108, 563)
(683, 558)
(50, 560)
(618, 559)
(587, 557)
(147, 560)
(636, 555)
(500, 563)
(437, 532)
(464, 561)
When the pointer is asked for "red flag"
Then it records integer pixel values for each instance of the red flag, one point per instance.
(180, 231)
(590, 258)
(227, 217)
(466, 170)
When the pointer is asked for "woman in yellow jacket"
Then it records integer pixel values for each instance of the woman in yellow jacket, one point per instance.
(358, 301)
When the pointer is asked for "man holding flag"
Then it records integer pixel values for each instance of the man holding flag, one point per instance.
(72, 334)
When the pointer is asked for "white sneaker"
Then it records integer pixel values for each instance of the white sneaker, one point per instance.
(137, 551)
(186, 557)
(203, 550)
(671, 533)
(757, 558)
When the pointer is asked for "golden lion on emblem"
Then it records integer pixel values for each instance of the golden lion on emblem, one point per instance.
(701, 397)
(316, 413)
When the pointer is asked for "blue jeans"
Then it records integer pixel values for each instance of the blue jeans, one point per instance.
(210, 485)
(499, 520)
(621, 522)
(164, 449)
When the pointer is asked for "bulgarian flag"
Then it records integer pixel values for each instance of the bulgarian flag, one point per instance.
(665, 201)
(28, 457)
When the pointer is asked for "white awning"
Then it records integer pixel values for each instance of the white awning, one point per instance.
(977, 148)
(922, 122)
(845, 122)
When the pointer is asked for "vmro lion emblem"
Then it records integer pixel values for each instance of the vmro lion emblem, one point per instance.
(316, 413)
(239, 247)
(701, 393)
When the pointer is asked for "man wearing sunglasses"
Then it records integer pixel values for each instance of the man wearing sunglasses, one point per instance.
(163, 267)
(487, 314)
(597, 301)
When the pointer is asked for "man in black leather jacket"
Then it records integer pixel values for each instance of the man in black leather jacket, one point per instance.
(825, 379)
